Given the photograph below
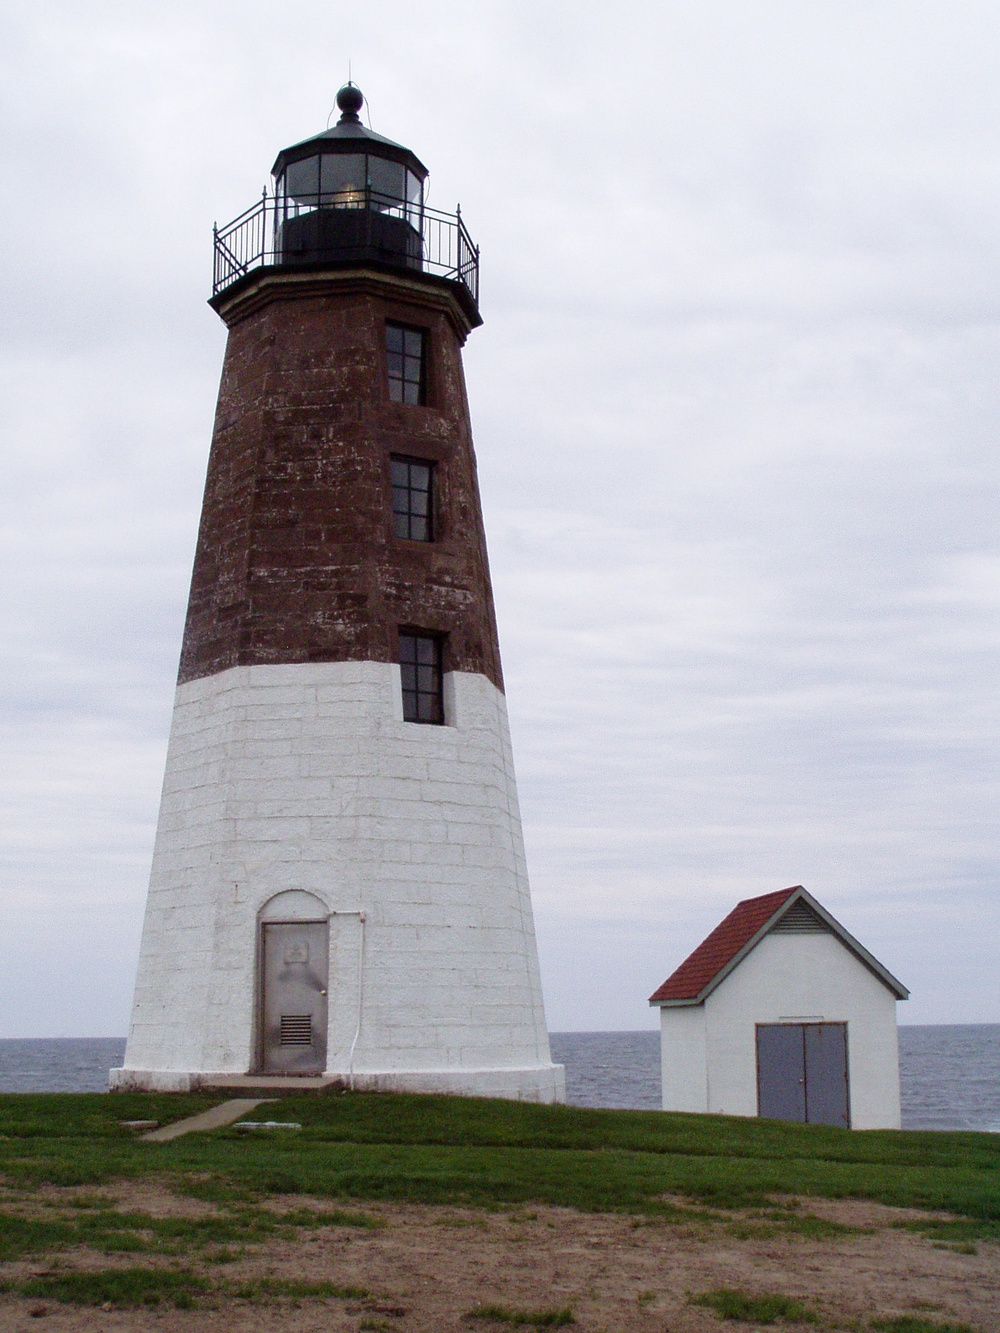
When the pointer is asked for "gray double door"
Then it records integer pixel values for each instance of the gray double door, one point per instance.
(295, 970)
(802, 1073)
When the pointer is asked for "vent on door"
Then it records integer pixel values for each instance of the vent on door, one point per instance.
(800, 919)
(296, 1030)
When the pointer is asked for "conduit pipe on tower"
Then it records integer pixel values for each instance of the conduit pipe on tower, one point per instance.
(361, 973)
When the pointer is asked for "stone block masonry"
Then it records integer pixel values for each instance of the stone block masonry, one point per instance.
(296, 559)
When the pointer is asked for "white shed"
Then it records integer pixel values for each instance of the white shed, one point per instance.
(780, 1012)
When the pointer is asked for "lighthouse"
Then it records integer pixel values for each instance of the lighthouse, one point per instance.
(338, 894)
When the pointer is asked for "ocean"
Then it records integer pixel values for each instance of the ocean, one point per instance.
(950, 1076)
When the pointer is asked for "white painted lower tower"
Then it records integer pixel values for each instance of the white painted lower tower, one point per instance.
(298, 792)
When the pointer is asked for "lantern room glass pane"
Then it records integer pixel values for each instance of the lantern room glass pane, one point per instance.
(343, 180)
(388, 181)
(414, 199)
(301, 181)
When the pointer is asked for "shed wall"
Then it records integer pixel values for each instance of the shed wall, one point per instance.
(683, 1055)
(787, 978)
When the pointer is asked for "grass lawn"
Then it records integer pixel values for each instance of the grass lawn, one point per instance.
(485, 1152)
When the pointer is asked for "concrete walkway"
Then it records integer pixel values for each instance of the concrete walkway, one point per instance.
(214, 1118)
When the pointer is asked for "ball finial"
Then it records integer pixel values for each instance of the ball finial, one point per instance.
(350, 101)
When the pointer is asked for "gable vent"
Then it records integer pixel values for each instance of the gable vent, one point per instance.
(800, 919)
(296, 1030)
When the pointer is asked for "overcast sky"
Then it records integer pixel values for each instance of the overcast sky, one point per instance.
(735, 403)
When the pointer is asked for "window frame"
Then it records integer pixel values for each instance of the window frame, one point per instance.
(409, 515)
(422, 379)
(412, 695)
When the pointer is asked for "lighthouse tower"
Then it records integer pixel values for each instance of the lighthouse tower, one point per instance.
(338, 891)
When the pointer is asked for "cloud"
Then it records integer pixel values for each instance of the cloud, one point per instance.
(735, 407)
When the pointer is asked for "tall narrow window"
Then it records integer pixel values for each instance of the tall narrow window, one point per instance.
(412, 499)
(420, 669)
(407, 362)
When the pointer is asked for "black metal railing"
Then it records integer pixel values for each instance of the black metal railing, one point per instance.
(370, 227)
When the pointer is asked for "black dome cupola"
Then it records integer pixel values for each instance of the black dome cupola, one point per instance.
(350, 137)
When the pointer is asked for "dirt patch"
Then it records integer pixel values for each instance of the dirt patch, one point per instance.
(861, 1212)
(426, 1269)
(126, 1196)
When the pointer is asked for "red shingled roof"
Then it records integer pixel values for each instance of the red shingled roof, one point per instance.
(720, 948)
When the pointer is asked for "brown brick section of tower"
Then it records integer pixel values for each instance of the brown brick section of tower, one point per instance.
(296, 558)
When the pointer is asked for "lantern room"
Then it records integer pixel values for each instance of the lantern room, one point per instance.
(348, 198)
(349, 195)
